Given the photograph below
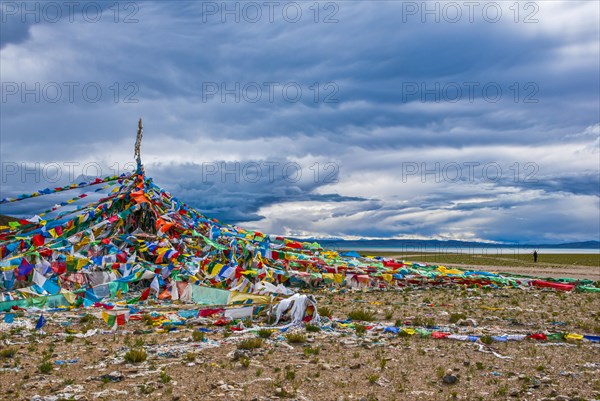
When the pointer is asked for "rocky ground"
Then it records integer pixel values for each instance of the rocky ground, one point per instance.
(339, 362)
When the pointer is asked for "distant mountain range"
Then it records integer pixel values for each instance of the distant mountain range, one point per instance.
(450, 244)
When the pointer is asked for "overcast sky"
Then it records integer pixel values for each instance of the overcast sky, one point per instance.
(387, 119)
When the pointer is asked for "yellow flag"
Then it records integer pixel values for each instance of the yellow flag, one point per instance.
(80, 263)
(573, 336)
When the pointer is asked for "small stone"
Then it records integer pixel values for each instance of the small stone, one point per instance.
(238, 354)
(114, 376)
(450, 379)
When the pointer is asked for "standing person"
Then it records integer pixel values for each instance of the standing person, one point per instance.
(535, 255)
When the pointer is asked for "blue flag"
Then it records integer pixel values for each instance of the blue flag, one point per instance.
(9, 318)
(41, 322)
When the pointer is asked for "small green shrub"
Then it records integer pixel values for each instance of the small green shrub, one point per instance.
(311, 328)
(198, 336)
(295, 338)
(135, 356)
(372, 378)
(245, 361)
(250, 343)
(360, 329)
(147, 319)
(8, 352)
(325, 311)
(455, 317)
(164, 377)
(290, 374)
(308, 351)
(146, 389)
(361, 315)
(264, 333)
(486, 339)
(87, 318)
(423, 322)
(45, 368)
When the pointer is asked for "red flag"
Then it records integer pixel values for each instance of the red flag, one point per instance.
(539, 336)
(122, 319)
(145, 294)
(58, 267)
(37, 240)
(209, 312)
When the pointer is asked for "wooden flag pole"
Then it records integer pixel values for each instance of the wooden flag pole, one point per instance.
(138, 145)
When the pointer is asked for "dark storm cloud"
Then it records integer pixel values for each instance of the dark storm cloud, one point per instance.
(234, 192)
(378, 88)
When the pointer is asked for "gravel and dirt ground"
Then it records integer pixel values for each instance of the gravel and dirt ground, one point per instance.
(337, 363)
